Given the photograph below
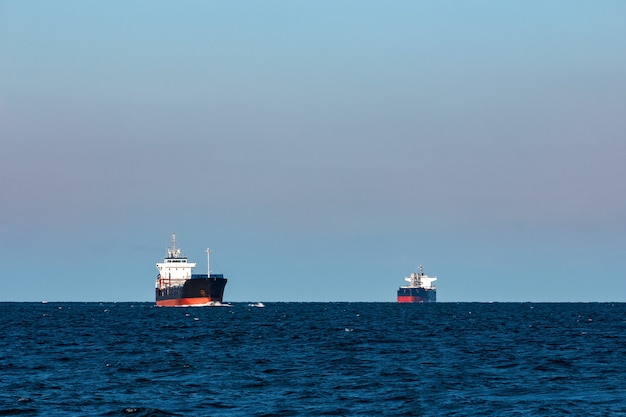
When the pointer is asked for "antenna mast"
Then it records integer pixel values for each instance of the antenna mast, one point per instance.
(208, 262)
(172, 252)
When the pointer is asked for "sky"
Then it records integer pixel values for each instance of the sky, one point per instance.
(323, 150)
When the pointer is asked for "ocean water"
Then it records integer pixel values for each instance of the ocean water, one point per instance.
(313, 359)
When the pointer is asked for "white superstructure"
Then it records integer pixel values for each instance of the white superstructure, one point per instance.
(174, 270)
(420, 280)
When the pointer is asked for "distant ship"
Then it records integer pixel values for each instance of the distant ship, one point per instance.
(420, 289)
(177, 286)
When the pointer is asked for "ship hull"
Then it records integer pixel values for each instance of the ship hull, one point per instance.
(417, 295)
(199, 290)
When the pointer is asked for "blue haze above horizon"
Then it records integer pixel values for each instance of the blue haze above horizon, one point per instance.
(322, 150)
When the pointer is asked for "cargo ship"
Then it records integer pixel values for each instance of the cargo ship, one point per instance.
(177, 286)
(420, 289)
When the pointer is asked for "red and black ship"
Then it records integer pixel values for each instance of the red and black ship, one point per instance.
(420, 289)
(176, 285)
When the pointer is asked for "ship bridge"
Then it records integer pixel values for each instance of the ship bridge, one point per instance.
(420, 280)
(175, 269)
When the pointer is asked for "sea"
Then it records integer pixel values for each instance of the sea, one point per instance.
(313, 359)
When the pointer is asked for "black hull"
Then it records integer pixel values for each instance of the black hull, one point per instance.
(417, 295)
(200, 289)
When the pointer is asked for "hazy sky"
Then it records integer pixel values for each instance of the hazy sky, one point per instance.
(321, 149)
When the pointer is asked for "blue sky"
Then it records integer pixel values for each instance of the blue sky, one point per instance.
(322, 149)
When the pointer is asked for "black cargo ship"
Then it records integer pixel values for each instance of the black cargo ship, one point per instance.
(177, 286)
(420, 289)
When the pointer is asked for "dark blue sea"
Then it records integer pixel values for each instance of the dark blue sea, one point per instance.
(313, 359)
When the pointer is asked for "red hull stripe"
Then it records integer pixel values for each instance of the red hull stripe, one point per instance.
(410, 299)
(184, 301)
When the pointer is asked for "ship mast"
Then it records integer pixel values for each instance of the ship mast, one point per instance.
(172, 251)
(419, 276)
(208, 262)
